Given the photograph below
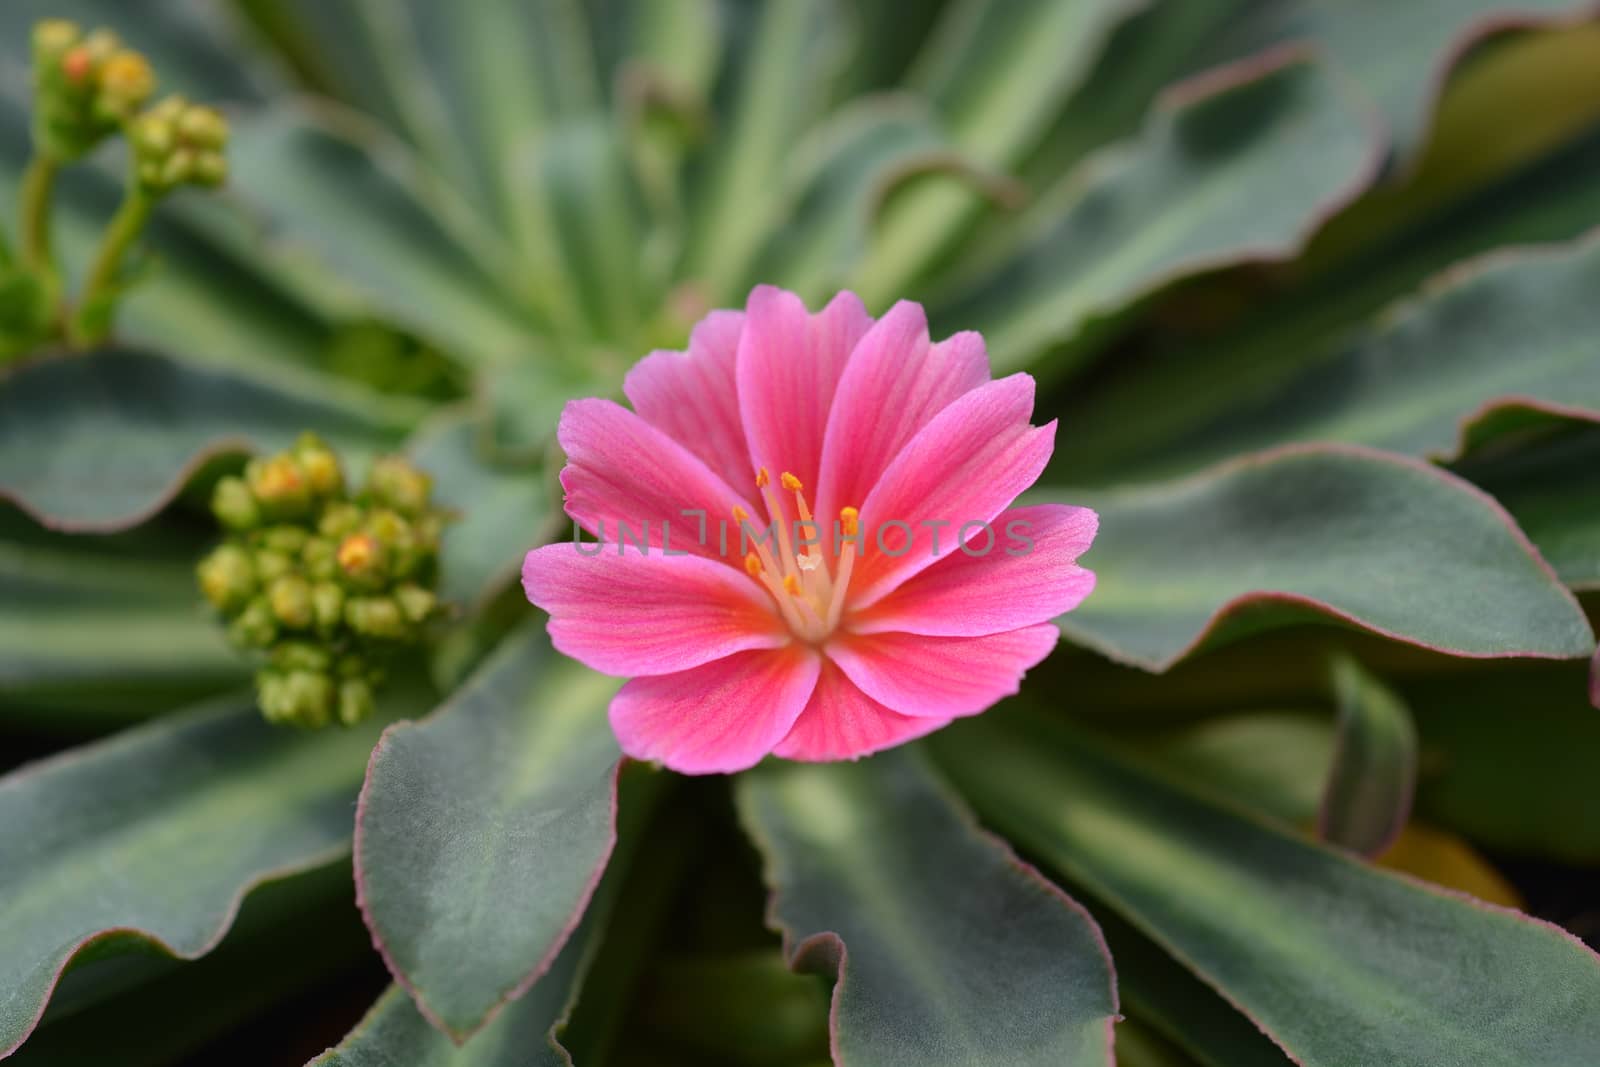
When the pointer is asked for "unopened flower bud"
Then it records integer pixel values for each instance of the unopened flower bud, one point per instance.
(126, 82)
(203, 127)
(284, 538)
(254, 627)
(320, 465)
(279, 486)
(301, 656)
(375, 616)
(398, 539)
(317, 557)
(290, 596)
(227, 577)
(355, 701)
(395, 482)
(305, 698)
(272, 565)
(416, 603)
(52, 37)
(327, 604)
(363, 561)
(338, 520)
(234, 505)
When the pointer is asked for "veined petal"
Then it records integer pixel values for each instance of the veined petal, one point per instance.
(620, 469)
(965, 466)
(718, 718)
(789, 368)
(842, 722)
(1029, 575)
(624, 612)
(893, 385)
(693, 398)
(940, 677)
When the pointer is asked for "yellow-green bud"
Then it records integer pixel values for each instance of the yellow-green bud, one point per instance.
(227, 577)
(279, 486)
(51, 37)
(355, 701)
(363, 561)
(210, 169)
(234, 505)
(375, 616)
(398, 538)
(327, 603)
(320, 465)
(397, 483)
(301, 656)
(338, 520)
(290, 597)
(416, 603)
(318, 557)
(272, 565)
(203, 127)
(284, 538)
(254, 627)
(304, 698)
(126, 82)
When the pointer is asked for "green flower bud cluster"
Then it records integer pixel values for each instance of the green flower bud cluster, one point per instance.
(85, 87)
(178, 143)
(328, 584)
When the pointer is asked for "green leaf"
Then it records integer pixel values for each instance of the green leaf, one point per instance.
(150, 1011)
(1538, 180)
(1228, 172)
(1157, 991)
(81, 614)
(1338, 962)
(530, 1031)
(1505, 336)
(1369, 540)
(103, 441)
(381, 233)
(483, 831)
(1374, 773)
(945, 947)
(783, 55)
(1394, 51)
(996, 75)
(152, 838)
(1507, 758)
(501, 509)
(1553, 489)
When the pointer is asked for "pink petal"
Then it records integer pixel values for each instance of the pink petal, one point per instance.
(940, 677)
(789, 368)
(718, 718)
(893, 385)
(842, 722)
(966, 595)
(622, 470)
(692, 396)
(631, 613)
(965, 466)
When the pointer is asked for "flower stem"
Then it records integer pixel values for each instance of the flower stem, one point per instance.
(93, 320)
(37, 183)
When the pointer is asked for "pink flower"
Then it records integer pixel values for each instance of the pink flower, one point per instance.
(927, 597)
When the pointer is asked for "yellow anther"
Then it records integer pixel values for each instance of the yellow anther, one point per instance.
(791, 585)
(740, 514)
(762, 478)
(790, 482)
(849, 521)
(752, 565)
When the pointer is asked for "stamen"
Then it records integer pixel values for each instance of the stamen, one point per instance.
(762, 478)
(791, 585)
(790, 482)
(752, 565)
(740, 514)
(850, 526)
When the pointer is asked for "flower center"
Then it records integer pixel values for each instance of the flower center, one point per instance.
(794, 569)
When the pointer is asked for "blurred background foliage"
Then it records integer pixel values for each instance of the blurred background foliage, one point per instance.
(1309, 285)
